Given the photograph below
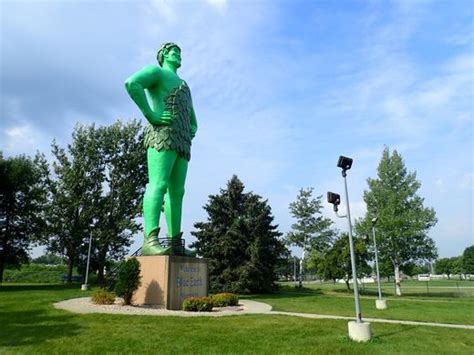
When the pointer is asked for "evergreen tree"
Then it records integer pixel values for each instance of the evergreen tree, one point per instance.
(23, 196)
(403, 221)
(240, 241)
(311, 231)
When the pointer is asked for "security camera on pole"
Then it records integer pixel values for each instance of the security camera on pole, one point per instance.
(358, 330)
(380, 303)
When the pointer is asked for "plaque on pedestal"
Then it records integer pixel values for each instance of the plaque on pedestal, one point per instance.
(168, 280)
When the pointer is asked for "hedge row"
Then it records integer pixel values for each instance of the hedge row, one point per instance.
(205, 304)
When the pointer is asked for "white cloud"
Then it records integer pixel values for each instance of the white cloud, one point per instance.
(467, 181)
(218, 4)
(21, 139)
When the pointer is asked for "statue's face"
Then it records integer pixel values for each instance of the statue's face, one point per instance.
(173, 57)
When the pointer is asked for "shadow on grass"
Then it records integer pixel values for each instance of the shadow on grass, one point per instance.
(42, 287)
(35, 327)
(405, 328)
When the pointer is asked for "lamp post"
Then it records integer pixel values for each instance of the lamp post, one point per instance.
(358, 330)
(379, 303)
(294, 269)
(85, 286)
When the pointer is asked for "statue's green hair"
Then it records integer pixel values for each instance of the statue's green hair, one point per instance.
(165, 47)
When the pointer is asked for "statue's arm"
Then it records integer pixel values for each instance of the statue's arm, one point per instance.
(194, 125)
(136, 84)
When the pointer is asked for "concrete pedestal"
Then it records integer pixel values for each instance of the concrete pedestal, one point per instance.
(359, 332)
(84, 287)
(381, 304)
(168, 280)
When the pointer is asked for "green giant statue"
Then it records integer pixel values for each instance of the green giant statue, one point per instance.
(165, 101)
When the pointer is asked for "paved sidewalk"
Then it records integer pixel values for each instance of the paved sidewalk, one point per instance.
(84, 305)
(376, 320)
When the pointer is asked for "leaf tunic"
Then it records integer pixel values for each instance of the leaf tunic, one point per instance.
(177, 135)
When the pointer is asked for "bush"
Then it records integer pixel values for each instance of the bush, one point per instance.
(103, 297)
(128, 280)
(197, 304)
(225, 299)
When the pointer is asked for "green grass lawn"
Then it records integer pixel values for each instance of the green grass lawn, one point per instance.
(30, 324)
(326, 298)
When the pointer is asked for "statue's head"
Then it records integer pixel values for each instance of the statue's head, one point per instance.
(171, 52)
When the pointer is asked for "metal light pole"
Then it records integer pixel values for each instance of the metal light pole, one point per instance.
(294, 269)
(359, 331)
(374, 220)
(351, 247)
(380, 303)
(85, 286)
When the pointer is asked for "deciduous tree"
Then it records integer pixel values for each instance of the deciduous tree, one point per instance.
(98, 185)
(403, 221)
(123, 181)
(468, 260)
(23, 196)
(312, 231)
(335, 263)
(76, 190)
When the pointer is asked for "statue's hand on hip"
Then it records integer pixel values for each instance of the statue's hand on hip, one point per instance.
(156, 119)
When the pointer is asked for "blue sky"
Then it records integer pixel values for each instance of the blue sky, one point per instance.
(280, 89)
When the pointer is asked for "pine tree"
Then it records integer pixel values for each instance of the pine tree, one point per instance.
(403, 222)
(240, 241)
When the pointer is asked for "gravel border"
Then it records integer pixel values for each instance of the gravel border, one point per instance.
(84, 305)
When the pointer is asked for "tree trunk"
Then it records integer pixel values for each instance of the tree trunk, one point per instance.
(70, 264)
(101, 263)
(301, 270)
(2, 268)
(347, 284)
(398, 289)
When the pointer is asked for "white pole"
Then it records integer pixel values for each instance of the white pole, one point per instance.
(376, 261)
(353, 264)
(86, 285)
(294, 269)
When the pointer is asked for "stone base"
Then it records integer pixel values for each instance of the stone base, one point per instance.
(381, 304)
(359, 332)
(167, 280)
(84, 287)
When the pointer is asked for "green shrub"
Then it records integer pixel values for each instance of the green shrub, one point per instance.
(128, 280)
(103, 297)
(197, 304)
(225, 299)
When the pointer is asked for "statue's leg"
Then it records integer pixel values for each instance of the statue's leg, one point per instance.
(174, 198)
(160, 166)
